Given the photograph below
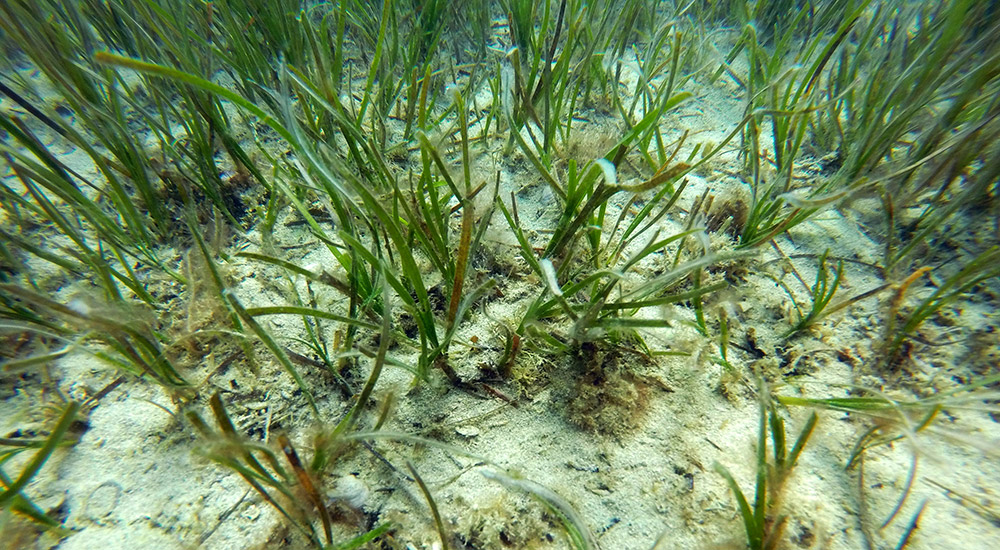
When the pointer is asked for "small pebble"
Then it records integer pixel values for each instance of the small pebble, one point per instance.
(467, 431)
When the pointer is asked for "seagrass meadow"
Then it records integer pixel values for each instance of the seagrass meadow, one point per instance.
(515, 274)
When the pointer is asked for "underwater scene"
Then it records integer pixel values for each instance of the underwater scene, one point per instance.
(511, 274)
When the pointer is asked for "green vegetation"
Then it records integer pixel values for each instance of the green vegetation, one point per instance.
(11, 498)
(763, 520)
(483, 199)
(908, 420)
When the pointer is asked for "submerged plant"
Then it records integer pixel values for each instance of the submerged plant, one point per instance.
(762, 518)
(14, 497)
(126, 331)
(280, 486)
(894, 419)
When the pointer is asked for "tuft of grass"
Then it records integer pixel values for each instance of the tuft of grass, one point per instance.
(902, 323)
(580, 536)
(13, 494)
(893, 419)
(822, 293)
(258, 465)
(762, 519)
(135, 347)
